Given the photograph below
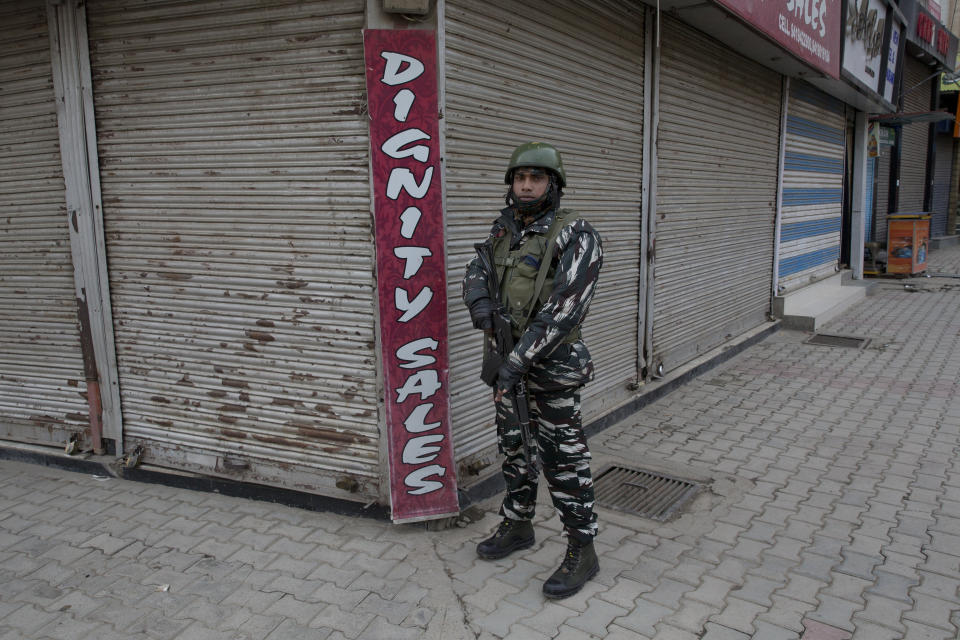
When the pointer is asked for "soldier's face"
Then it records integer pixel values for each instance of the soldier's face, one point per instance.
(530, 183)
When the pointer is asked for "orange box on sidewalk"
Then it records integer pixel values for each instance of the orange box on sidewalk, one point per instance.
(908, 239)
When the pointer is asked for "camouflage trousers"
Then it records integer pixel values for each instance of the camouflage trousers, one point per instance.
(562, 454)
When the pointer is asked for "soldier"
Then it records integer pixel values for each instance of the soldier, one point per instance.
(547, 261)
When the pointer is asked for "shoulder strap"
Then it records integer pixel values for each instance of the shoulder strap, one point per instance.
(552, 234)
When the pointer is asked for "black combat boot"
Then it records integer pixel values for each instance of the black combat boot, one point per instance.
(510, 536)
(579, 565)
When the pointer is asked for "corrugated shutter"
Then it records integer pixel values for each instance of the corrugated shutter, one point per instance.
(717, 159)
(42, 383)
(870, 199)
(570, 73)
(941, 185)
(234, 165)
(915, 138)
(883, 193)
(812, 200)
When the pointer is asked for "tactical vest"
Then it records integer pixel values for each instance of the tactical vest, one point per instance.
(522, 273)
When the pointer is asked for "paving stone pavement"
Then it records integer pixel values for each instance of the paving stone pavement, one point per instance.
(831, 510)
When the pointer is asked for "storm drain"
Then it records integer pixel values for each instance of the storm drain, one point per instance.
(827, 340)
(642, 493)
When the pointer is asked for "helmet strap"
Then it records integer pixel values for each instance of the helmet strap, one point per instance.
(531, 210)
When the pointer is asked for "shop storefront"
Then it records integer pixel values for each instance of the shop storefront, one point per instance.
(812, 196)
(870, 78)
(949, 101)
(572, 74)
(233, 157)
(943, 168)
(717, 156)
(924, 158)
(234, 190)
(287, 193)
(43, 384)
(918, 79)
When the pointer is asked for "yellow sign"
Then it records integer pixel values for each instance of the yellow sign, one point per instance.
(951, 84)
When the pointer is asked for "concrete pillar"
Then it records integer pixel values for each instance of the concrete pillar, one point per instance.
(954, 188)
(859, 182)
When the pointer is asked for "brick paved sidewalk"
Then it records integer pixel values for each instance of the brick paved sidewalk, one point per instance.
(833, 511)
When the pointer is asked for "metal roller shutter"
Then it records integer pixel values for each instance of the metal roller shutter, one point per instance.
(234, 168)
(870, 199)
(812, 197)
(42, 382)
(883, 194)
(915, 137)
(941, 185)
(717, 159)
(570, 73)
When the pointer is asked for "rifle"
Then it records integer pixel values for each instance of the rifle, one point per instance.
(502, 346)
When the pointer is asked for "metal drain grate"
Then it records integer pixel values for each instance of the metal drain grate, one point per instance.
(642, 493)
(827, 340)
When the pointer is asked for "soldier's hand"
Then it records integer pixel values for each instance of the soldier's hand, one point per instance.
(481, 313)
(507, 378)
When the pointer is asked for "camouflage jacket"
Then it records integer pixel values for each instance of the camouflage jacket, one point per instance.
(542, 350)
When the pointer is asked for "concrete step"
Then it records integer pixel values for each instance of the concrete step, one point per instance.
(807, 309)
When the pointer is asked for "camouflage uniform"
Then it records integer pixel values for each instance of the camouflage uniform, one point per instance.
(557, 364)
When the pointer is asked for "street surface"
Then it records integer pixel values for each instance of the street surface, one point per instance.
(832, 511)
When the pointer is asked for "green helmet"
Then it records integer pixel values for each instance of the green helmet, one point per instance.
(537, 154)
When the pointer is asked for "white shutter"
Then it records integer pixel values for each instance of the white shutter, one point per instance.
(234, 166)
(568, 73)
(42, 382)
(717, 159)
(812, 203)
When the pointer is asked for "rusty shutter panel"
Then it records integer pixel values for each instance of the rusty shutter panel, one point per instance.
(234, 167)
(717, 160)
(569, 73)
(42, 383)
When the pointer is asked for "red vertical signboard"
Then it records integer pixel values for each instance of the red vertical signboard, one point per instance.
(411, 275)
